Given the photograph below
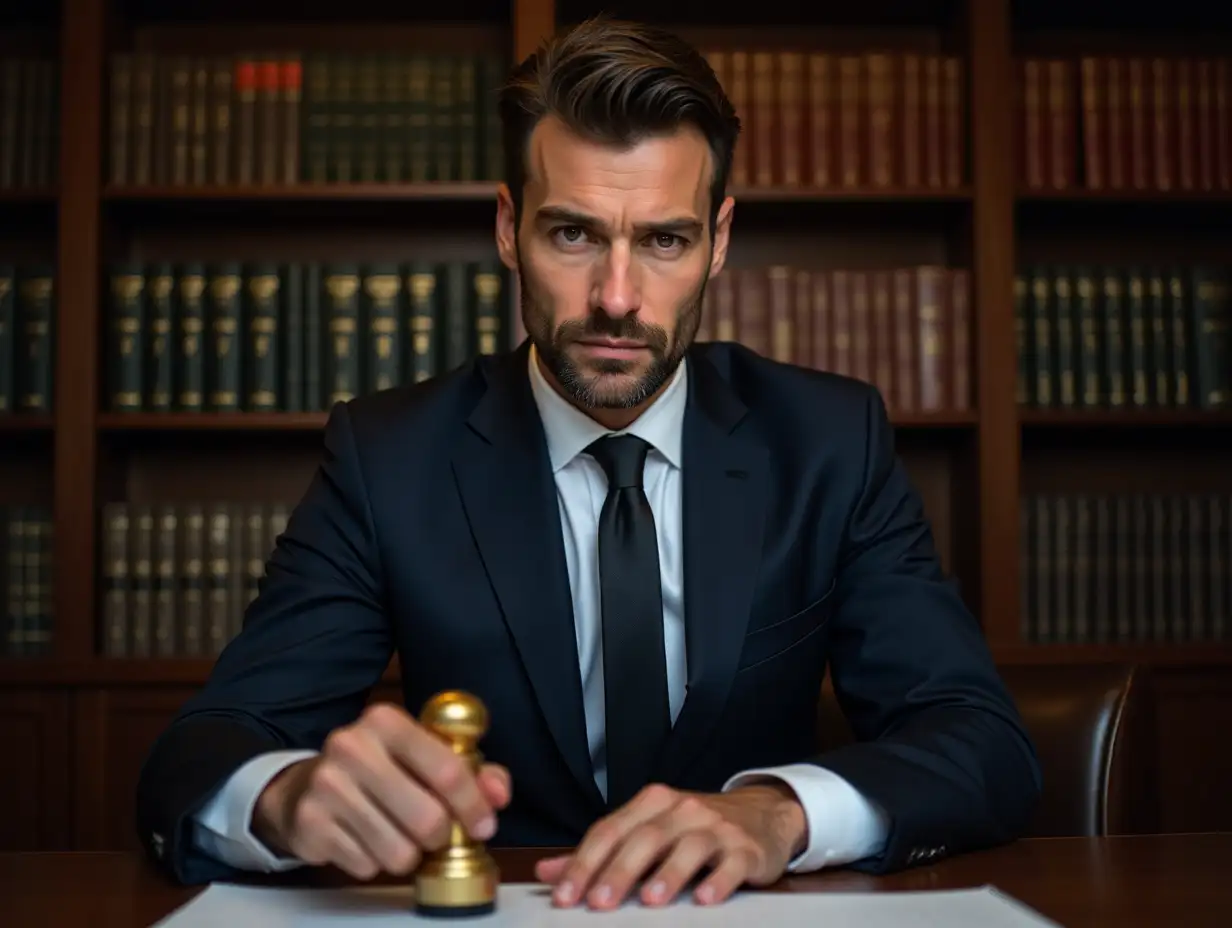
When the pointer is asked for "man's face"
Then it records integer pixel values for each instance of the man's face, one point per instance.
(613, 253)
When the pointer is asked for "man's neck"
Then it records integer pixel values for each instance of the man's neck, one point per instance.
(614, 419)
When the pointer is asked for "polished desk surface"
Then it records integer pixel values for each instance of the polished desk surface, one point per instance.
(1182, 881)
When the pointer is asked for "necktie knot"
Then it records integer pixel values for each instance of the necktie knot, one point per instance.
(623, 458)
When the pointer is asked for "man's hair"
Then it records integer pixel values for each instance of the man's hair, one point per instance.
(617, 83)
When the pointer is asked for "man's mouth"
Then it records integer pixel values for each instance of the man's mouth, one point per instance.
(621, 349)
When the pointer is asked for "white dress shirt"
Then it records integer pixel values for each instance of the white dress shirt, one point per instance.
(843, 825)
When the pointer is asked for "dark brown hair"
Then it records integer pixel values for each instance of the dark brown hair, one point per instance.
(616, 83)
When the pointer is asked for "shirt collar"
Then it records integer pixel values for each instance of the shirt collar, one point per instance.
(570, 431)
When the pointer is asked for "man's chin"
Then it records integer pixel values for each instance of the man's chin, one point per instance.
(602, 384)
(607, 390)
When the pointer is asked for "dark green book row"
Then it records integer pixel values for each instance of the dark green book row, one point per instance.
(292, 337)
(390, 118)
(25, 580)
(1118, 337)
(1127, 568)
(287, 117)
(27, 338)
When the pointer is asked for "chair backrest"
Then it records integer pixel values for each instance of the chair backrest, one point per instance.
(1086, 723)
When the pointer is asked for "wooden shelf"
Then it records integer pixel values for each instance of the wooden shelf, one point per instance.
(487, 190)
(212, 421)
(52, 671)
(24, 423)
(303, 193)
(852, 195)
(1126, 418)
(1214, 653)
(944, 419)
(316, 16)
(27, 195)
(120, 671)
(1138, 197)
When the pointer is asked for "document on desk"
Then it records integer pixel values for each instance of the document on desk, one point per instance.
(523, 905)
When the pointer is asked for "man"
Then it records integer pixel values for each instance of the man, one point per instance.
(641, 553)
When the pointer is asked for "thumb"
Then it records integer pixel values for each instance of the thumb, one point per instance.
(497, 784)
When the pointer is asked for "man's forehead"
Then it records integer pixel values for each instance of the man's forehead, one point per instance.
(667, 172)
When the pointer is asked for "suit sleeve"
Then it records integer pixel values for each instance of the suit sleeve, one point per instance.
(940, 746)
(314, 642)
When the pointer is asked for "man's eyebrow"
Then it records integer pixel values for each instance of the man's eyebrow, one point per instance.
(577, 218)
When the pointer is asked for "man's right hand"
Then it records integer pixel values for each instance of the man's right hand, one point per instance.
(382, 791)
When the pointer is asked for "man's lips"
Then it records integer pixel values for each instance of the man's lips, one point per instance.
(612, 343)
(612, 347)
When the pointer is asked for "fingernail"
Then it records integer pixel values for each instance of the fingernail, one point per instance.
(603, 894)
(657, 889)
(564, 893)
(486, 828)
(706, 894)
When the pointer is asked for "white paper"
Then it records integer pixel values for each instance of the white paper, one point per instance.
(522, 905)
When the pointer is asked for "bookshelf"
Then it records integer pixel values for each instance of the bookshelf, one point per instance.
(962, 204)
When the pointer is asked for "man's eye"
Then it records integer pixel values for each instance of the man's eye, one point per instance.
(571, 234)
(667, 241)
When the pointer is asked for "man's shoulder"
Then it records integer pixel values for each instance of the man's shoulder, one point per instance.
(789, 391)
(426, 411)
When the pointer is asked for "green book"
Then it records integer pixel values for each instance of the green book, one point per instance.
(263, 318)
(224, 338)
(160, 354)
(382, 314)
(191, 348)
(343, 373)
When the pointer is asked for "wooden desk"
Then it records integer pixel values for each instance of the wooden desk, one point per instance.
(1129, 882)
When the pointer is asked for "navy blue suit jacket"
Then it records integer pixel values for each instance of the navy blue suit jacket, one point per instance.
(431, 530)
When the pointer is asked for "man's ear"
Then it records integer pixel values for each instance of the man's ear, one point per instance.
(506, 228)
(722, 235)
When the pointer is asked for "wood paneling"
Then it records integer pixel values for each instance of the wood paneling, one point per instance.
(1192, 712)
(116, 729)
(38, 766)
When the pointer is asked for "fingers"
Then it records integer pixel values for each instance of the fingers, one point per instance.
(602, 841)
(551, 869)
(733, 869)
(692, 853)
(361, 781)
(334, 845)
(384, 790)
(338, 798)
(436, 766)
(663, 841)
(496, 784)
(318, 837)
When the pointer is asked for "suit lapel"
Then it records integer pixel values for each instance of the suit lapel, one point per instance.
(725, 480)
(509, 495)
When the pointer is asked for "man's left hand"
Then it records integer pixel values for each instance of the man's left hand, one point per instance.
(664, 838)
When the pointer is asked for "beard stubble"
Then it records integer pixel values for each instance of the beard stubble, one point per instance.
(604, 383)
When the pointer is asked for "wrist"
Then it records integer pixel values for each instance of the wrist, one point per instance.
(787, 812)
(271, 813)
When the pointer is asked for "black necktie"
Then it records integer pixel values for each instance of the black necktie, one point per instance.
(637, 713)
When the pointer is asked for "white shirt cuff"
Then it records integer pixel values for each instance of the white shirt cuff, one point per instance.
(843, 825)
(223, 827)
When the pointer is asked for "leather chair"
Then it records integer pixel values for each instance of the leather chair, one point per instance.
(1087, 722)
